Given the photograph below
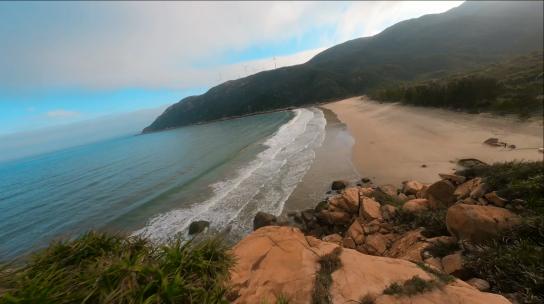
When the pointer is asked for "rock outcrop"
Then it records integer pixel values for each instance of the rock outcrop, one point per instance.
(479, 223)
(274, 261)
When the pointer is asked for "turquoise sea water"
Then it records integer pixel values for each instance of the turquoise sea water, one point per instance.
(156, 184)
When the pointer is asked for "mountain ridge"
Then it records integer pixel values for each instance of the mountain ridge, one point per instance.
(472, 34)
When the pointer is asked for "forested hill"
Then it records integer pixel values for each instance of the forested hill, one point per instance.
(473, 34)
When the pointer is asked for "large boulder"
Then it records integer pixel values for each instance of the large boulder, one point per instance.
(417, 205)
(411, 187)
(442, 192)
(198, 227)
(274, 261)
(479, 223)
(338, 218)
(262, 219)
(356, 233)
(369, 209)
(463, 191)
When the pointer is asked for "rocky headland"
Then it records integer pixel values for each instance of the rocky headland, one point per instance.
(420, 243)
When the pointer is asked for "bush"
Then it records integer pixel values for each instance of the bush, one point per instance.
(515, 180)
(434, 221)
(513, 263)
(100, 268)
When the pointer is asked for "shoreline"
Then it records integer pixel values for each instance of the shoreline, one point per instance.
(396, 142)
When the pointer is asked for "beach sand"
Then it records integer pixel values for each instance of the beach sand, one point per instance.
(393, 141)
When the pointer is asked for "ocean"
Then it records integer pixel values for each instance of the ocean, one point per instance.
(156, 184)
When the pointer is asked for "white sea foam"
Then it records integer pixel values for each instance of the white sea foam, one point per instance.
(263, 184)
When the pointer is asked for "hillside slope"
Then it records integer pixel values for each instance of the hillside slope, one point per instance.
(474, 33)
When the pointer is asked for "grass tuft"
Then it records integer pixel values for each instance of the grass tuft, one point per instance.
(101, 268)
(415, 285)
(323, 279)
(440, 249)
(434, 221)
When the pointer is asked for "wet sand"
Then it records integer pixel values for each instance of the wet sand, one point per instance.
(393, 141)
(332, 161)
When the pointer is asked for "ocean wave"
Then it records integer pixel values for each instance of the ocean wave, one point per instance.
(263, 184)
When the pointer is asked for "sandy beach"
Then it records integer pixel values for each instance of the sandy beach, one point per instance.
(395, 142)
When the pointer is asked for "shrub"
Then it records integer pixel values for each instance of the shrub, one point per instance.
(513, 263)
(410, 287)
(100, 268)
(434, 221)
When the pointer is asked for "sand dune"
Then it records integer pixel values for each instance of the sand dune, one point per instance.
(393, 141)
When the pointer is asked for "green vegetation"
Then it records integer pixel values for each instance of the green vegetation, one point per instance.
(441, 249)
(323, 279)
(99, 268)
(515, 180)
(513, 263)
(441, 276)
(411, 287)
(510, 87)
(434, 221)
(431, 46)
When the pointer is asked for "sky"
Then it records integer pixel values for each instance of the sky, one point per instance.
(68, 62)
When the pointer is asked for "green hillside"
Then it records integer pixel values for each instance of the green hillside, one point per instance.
(473, 34)
(510, 86)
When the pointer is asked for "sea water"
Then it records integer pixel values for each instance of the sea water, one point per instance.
(157, 184)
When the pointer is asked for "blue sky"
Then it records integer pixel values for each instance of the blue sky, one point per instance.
(68, 62)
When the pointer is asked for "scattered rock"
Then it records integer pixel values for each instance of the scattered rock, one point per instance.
(402, 197)
(198, 227)
(356, 233)
(349, 243)
(367, 191)
(334, 217)
(481, 285)
(465, 188)
(411, 187)
(365, 180)
(442, 191)
(351, 196)
(321, 205)
(333, 238)
(262, 219)
(478, 223)
(339, 184)
(417, 205)
(511, 147)
(492, 141)
(378, 242)
(471, 163)
(453, 264)
(434, 262)
(456, 179)
(370, 209)
(478, 191)
(423, 192)
(423, 166)
(388, 189)
(388, 212)
(409, 246)
(495, 199)
(470, 201)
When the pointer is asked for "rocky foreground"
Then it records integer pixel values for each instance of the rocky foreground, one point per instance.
(363, 244)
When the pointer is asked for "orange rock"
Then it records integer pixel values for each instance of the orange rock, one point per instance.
(453, 264)
(356, 233)
(478, 223)
(409, 246)
(496, 199)
(335, 217)
(370, 209)
(411, 187)
(276, 261)
(463, 190)
(351, 196)
(333, 238)
(442, 191)
(368, 192)
(417, 205)
(378, 242)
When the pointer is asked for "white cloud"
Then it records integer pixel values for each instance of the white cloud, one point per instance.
(60, 113)
(155, 44)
